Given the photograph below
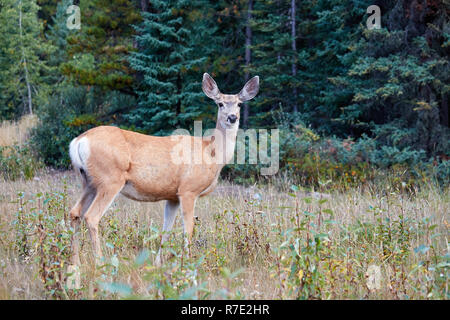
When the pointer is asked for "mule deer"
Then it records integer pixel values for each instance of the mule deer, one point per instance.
(112, 161)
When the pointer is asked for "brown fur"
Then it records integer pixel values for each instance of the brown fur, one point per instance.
(140, 167)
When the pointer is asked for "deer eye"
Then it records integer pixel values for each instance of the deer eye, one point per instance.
(239, 104)
(220, 104)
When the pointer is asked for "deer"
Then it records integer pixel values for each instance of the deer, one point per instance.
(112, 161)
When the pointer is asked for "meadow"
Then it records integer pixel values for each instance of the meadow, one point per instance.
(271, 241)
(359, 208)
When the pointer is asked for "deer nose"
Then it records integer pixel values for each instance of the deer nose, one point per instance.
(232, 118)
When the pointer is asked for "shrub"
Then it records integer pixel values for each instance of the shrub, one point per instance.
(70, 113)
(63, 118)
(43, 237)
(18, 162)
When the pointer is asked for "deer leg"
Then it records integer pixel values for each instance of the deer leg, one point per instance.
(75, 216)
(75, 219)
(170, 212)
(74, 281)
(104, 197)
(187, 206)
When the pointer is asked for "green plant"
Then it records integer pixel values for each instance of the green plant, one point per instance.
(273, 242)
(43, 237)
(318, 261)
(18, 161)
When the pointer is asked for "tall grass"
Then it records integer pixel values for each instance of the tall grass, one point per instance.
(17, 159)
(265, 242)
(16, 132)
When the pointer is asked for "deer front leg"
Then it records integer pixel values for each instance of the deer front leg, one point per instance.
(187, 206)
(170, 212)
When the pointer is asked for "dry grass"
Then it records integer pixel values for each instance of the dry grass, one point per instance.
(254, 230)
(16, 132)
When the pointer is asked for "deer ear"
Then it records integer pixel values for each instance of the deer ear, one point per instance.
(209, 86)
(250, 89)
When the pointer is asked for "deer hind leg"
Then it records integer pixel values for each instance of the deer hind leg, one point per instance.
(187, 206)
(105, 194)
(74, 280)
(76, 215)
(170, 212)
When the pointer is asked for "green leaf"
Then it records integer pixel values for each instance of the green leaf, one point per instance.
(109, 245)
(115, 287)
(421, 249)
(142, 257)
(115, 261)
(307, 200)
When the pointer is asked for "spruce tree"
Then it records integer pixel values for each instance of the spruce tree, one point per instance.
(173, 45)
(23, 57)
(97, 52)
(397, 81)
(273, 60)
(58, 34)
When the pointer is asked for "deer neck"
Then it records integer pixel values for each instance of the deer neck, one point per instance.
(227, 142)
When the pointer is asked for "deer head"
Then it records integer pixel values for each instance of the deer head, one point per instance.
(229, 104)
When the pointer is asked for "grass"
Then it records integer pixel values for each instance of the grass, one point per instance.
(16, 132)
(275, 241)
(16, 157)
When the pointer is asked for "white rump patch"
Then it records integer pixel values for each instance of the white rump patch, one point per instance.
(79, 152)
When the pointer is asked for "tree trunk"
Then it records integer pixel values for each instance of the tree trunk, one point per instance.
(178, 107)
(294, 49)
(144, 5)
(444, 110)
(248, 43)
(24, 59)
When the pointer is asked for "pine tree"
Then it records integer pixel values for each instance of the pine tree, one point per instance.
(47, 10)
(173, 45)
(398, 79)
(22, 57)
(273, 60)
(328, 31)
(57, 34)
(98, 51)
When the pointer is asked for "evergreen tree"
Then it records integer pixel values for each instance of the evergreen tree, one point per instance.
(57, 34)
(98, 51)
(397, 81)
(173, 45)
(329, 29)
(274, 60)
(47, 10)
(140, 63)
(22, 58)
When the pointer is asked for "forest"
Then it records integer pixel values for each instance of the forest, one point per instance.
(364, 145)
(357, 98)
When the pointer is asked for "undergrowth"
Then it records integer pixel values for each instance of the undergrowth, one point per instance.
(296, 245)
